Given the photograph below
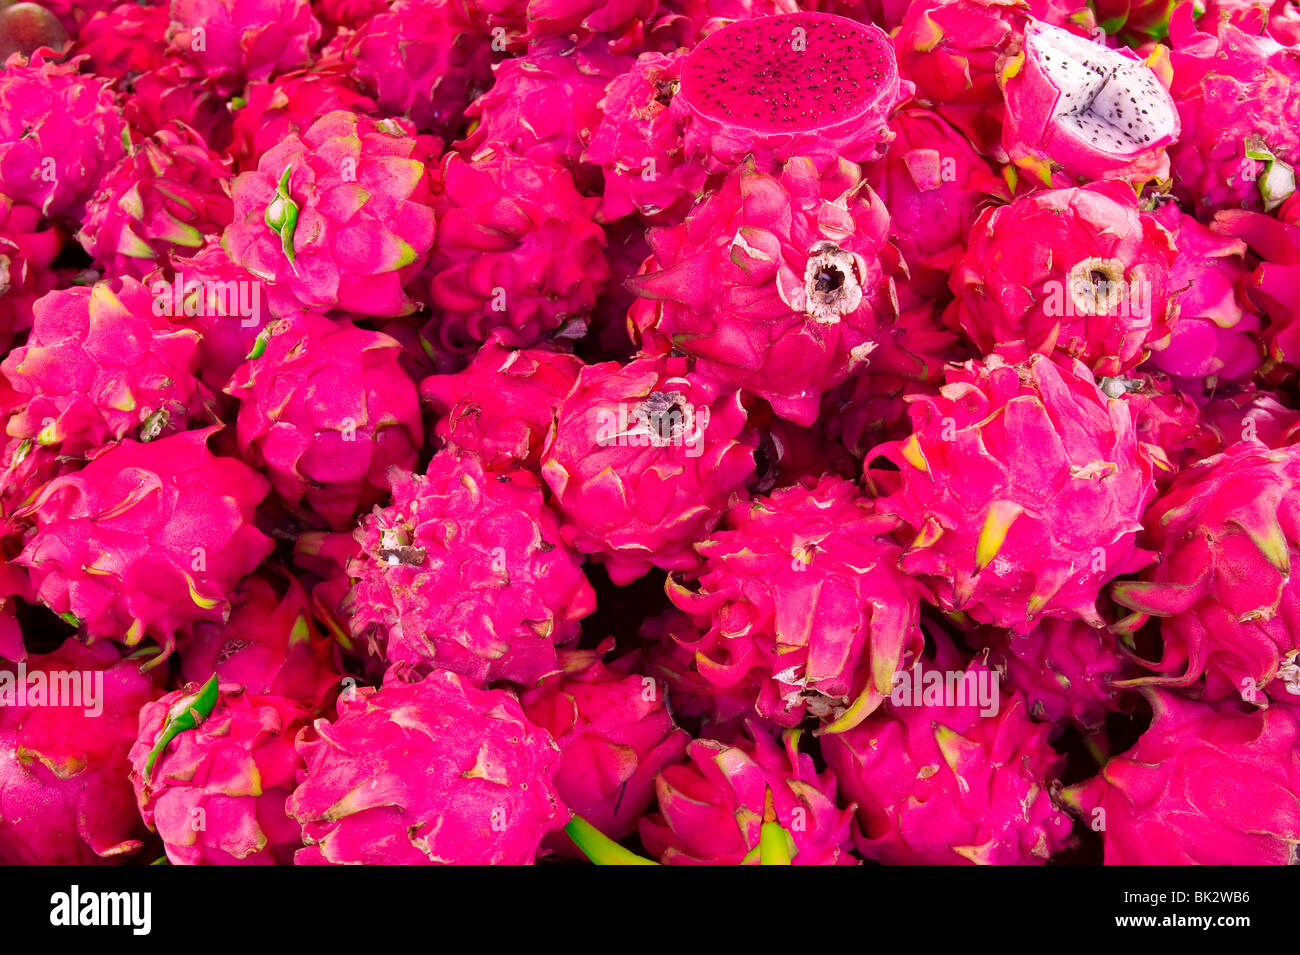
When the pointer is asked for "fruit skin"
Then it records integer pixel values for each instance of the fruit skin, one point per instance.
(1203, 786)
(1129, 145)
(941, 784)
(1023, 489)
(934, 185)
(615, 732)
(517, 251)
(544, 105)
(60, 133)
(641, 462)
(1237, 95)
(1214, 336)
(467, 571)
(711, 808)
(422, 59)
(325, 409)
(146, 539)
(434, 772)
(269, 646)
(64, 794)
(1078, 273)
(99, 366)
(126, 41)
(802, 590)
(1275, 239)
(232, 41)
(28, 247)
(368, 172)
(711, 101)
(502, 405)
(1226, 531)
(511, 23)
(777, 285)
(168, 194)
(216, 793)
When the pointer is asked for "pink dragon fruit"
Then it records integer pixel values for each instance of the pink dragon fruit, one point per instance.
(1065, 670)
(434, 772)
(1226, 532)
(1237, 95)
(1250, 415)
(1106, 301)
(517, 250)
(502, 405)
(338, 217)
(712, 808)
(1085, 110)
(941, 780)
(212, 768)
(642, 460)
(511, 23)
(146, 539)
(234, 41)
(615, 733)
(169, 193)
(544, 105)
(1275, 239)
(423, 60)
(125, 41)
(1278, 19)
(804, 588)
(64, 794)
(269, 646)
(325, 410)
(1214, 336)
(934, 184)
(323, 558)
(60, 133)
(1023, 488)
(350, 14)
(776, 285)
(683, 23)
(1134, 20)
(28, 247)
(100, 365)
(73, 14)
(467, 571)
(287, 106)
(1203, 786)
(174, 91)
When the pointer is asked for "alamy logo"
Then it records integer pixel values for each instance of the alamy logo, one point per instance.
(71, 688)
(237, 298)
(73, 908)
(921, 687)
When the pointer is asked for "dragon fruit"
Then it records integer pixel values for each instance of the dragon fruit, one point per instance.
(946, 782)
(544, 105)
(1023, 489)
(712, 807)
(422, 59)
(338, 217)
(934, 184)
(1065, 669)
(1135, 20)
(511, 23)
(146, 539)
(1250, 415)
(125, 41)
(502, 405)
(1238, 96)
(1203, 786)
(776, 285)
(802, 589)
(615, 733)
(64, 794)
(323, 558)
(517, 251)
(325, 410)
(1080, 273)
(212, 768)
(234, 41)
(167, 194)
(100, 365)
(269, 646)
(467, 571)
(1225, 531)
(1087, 110)
(28, 247)
(287, 106)
(642, 460)
(434, 772)
(60, 133)
(683, 23)
(174, 91)
(1275, 239)
(1278, 19)
(1214, 336)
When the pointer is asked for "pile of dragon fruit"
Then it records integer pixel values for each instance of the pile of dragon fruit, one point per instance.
(679, 431)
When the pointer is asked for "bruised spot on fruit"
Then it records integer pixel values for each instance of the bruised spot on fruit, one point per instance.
(394, 549)
(1095, 285)
(831, 283)
(664, 416)
(665, 90)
